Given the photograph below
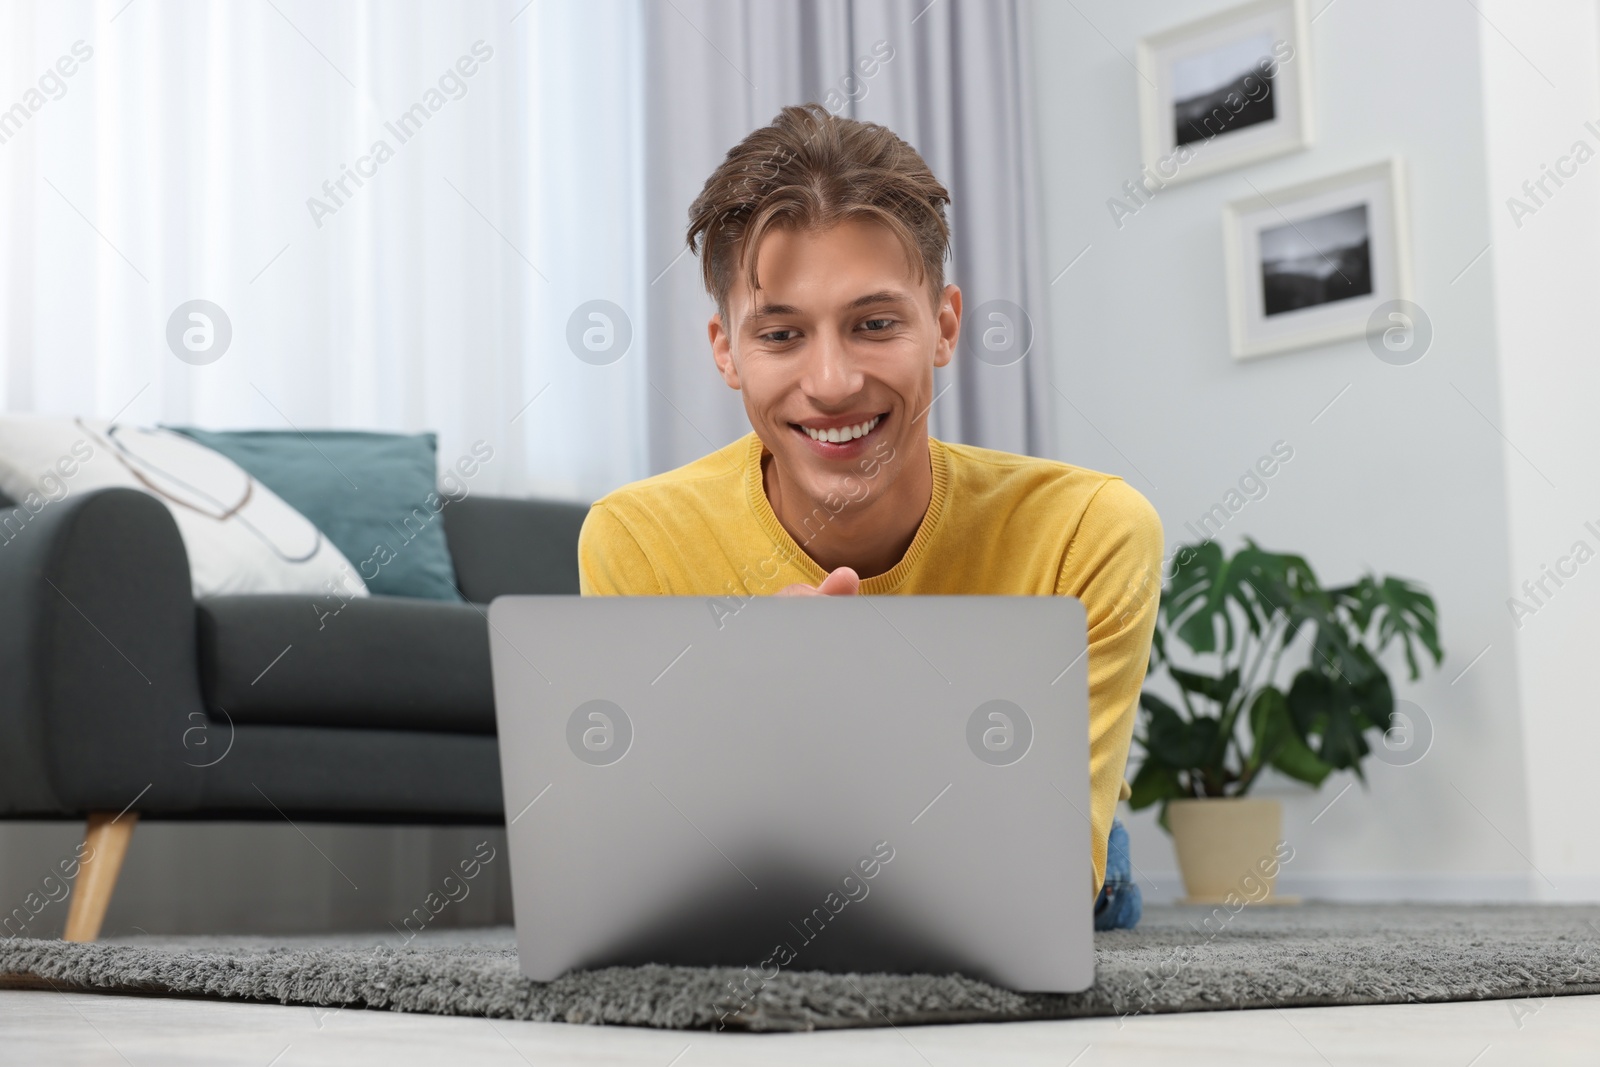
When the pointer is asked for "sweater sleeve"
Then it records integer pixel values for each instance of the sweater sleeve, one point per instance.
(1113, 565)
(610, 559)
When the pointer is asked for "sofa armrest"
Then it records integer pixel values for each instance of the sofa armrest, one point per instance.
(501, 545)
(98, 674)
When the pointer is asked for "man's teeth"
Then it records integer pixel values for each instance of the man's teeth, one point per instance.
(844, 433)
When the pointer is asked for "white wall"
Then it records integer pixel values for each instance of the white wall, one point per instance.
(1537, 98)
(1402, 475)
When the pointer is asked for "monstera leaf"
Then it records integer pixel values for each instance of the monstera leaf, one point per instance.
(1277, 744)
(1403, 610)
(1207, 590)
(1218, 690)
(1195, 604)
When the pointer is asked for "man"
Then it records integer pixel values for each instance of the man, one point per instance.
(822, 241)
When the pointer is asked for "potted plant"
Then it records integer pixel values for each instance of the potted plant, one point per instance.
(1234, 720)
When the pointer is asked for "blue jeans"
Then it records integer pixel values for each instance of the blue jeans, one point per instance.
(1120, 904)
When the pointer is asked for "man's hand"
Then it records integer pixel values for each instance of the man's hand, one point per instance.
(842, 582)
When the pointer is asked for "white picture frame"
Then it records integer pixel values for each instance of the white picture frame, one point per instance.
(1206, 105)
(1311, 264)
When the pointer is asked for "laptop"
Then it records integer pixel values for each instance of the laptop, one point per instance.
(847, 784)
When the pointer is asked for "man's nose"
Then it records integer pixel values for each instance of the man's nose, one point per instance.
(831, 375)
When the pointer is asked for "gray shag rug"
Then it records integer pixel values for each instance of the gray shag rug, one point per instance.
(1315, 954)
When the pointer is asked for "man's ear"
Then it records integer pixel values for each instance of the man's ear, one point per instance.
(949, 326)
(722, 350)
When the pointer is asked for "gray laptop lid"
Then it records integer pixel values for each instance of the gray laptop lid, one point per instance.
(895, 783)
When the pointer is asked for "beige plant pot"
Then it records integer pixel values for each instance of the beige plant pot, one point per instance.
(1229, 849)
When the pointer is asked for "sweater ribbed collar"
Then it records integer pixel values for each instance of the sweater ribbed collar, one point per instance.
(888, 581)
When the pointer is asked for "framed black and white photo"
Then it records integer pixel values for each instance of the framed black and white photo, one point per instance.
(1226, 90)
(1310, 264)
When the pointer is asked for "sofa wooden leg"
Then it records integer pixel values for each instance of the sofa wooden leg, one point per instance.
(106, 841)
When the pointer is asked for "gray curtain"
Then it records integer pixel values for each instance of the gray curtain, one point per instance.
(958, 88)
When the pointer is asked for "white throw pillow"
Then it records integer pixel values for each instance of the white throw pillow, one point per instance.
(241, 537)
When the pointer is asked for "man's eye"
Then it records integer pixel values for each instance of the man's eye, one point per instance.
(887, 324)
(777, 336)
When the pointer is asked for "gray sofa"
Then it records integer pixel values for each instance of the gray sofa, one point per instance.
(122, 697)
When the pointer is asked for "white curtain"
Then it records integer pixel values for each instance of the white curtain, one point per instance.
(198, 154)
(179, 161)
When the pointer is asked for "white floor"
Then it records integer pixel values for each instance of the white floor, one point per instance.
(71, 1028)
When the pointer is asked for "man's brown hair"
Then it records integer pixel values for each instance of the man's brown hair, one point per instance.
(809, 170)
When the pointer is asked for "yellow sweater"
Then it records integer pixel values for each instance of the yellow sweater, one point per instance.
(998, 523)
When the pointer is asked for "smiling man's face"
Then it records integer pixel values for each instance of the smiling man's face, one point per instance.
(841, 340)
